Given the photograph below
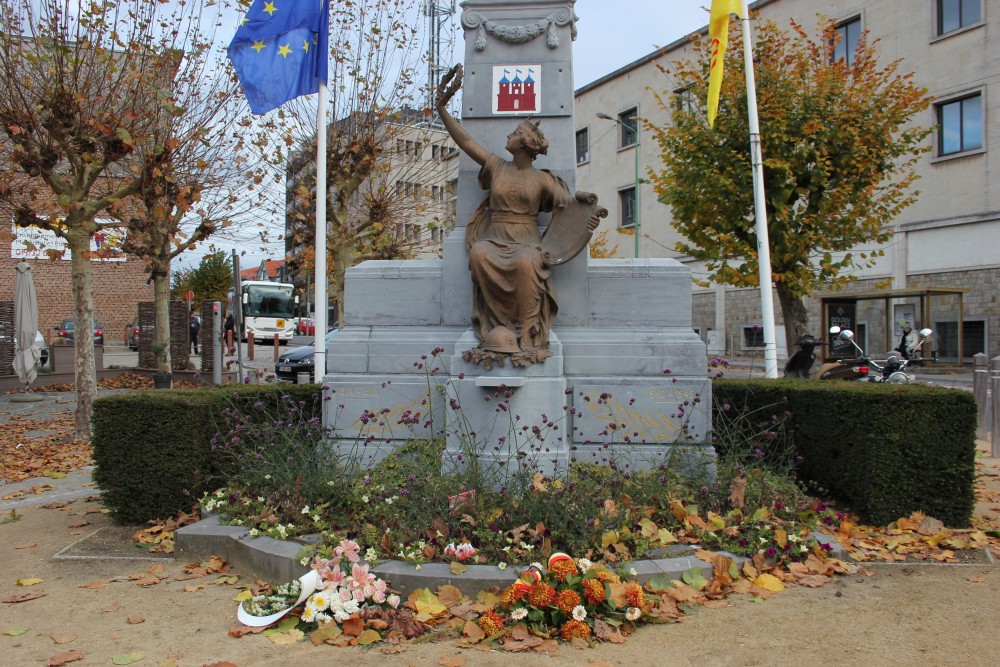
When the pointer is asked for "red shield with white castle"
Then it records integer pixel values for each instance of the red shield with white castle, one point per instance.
(517, 89)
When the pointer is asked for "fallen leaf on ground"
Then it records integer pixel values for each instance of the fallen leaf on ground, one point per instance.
(65, 658)
(769, 582)
(369, 637)
(605, 632)
(353, 626)
(813, 580)
(393, 649)
(23, 597)
(325, 633)
(126, 658)
(473, 633)
(94, 585)
(79, 524)
(284, 638)
(15, 632)
(135, 620)
(147, 581)
(29, 545)
(240, 630)
(114, 606)
(64, 638)
(29, 582)
(194, 587)
(453, 660)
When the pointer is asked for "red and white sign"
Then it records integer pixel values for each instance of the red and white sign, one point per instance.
(517, 89)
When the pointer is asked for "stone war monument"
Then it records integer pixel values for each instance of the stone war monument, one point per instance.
(516, 343)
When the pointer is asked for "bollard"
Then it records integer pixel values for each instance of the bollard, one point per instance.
(302, 378)
(217, 354)
(995, 388)
(250, 345)
(980, 383)
(277, 348)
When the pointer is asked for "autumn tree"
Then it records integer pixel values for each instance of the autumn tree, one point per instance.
(81, 86)
(839, 148)
(211, 279)
(375, 54)
(204, 171)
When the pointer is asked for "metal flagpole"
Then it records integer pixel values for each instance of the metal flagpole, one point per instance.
(760, 210)
(320, 316)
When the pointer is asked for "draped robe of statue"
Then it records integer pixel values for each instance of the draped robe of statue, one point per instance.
(512, 286)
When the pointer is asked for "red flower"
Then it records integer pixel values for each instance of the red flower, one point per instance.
(574, 628)
(563, 568)
(512, 594)
(634, 595)
(566, 600)
(593, 590)
(491, 622)
(541, 595)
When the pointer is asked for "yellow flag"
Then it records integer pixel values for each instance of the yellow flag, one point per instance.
(718, 30)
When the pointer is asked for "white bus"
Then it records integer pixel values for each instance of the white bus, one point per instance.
(268, 309)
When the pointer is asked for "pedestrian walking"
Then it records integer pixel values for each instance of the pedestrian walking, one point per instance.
(230, 329)
(194, 327)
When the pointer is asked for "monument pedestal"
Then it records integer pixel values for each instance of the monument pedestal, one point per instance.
(627, 386)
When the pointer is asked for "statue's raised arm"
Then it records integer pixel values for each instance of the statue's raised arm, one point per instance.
(451, 84)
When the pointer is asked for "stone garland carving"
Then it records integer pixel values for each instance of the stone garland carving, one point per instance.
(519, 34)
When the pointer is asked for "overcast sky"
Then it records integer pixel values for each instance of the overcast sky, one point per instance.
(613, 33)
(610, 35)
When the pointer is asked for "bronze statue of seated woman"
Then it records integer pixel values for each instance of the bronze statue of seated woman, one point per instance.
(514, 300)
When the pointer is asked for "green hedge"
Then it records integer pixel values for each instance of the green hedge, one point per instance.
(153, 448)
(884, 450)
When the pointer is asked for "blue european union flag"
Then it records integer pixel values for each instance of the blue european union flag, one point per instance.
(280, 51)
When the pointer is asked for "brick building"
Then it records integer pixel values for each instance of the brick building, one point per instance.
(119, 286)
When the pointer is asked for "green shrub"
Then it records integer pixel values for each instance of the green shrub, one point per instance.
(153, 448)
(885, 450)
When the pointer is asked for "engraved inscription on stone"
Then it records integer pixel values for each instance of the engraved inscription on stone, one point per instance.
(638, 413)
(364, 409)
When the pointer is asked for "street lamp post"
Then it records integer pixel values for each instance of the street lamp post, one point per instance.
(605, 116)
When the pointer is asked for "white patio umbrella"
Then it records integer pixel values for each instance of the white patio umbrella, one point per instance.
(26, 359)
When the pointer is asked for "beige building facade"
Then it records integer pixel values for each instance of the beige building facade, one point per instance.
(415, 180)
(950, 238)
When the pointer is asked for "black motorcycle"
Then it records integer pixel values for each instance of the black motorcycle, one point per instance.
(800, 364)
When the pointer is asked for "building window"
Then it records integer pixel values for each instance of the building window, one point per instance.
(955, 14)
(846, 44)
(582, 145)
(684, 100)
(753, 337)
(960, 125)
(629, 123)
(626, 200)
(974, 339)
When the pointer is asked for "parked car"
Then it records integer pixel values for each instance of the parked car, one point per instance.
(67, 330)
(295, 360)
(307, 327)
(42, 348)
(133, 336)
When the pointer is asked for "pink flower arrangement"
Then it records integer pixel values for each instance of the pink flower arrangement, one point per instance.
(462, 551)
